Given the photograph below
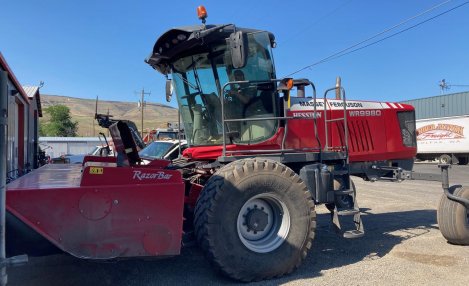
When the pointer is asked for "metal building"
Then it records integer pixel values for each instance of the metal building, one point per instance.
(58, 146)
(35, 111)
(446, 105)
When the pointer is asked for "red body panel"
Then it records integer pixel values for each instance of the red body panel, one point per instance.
(374, 132)
(213, 152)
(102, 212)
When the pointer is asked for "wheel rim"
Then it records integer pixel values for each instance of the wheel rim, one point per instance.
(263, 223)
(445, 159)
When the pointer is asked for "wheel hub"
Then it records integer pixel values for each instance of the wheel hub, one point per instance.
(263, 223)
(256, 219)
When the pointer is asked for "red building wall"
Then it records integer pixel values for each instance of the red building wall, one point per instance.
(19, 115)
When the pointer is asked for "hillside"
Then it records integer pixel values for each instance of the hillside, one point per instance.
(82, 110)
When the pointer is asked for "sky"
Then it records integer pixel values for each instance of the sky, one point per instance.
(92, 48)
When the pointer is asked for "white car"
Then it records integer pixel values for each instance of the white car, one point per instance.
(99, 151)
(162, 149)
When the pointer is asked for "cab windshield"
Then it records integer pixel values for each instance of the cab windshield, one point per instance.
(198, 80)
(156, 150)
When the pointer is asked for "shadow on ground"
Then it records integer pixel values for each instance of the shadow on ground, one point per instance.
(331, 251)
(191, 268)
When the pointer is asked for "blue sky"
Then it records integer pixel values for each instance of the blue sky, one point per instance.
(87, 48)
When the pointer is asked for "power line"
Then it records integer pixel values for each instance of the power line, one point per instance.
(315, 22)
(344, 52)
(338, 54)
(391, 28)
(400, 32)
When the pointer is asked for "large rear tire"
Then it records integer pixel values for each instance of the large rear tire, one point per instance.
(255, 220)
(453, 217)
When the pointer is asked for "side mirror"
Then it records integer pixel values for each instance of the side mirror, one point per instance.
(285, 85)
(169, 90)
(238, 48)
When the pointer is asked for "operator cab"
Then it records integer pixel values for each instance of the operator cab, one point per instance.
(213, 65)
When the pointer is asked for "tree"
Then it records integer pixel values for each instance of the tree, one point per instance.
(60, 122)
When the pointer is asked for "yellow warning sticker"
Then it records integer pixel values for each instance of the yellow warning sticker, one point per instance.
(96, 170)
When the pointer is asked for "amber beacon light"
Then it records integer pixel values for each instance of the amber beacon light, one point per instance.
(202, 13)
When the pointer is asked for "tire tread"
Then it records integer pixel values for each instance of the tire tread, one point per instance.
(208, 199)
(450, 216)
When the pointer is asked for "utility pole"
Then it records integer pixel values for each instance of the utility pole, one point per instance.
(443, 86)
(142, 103)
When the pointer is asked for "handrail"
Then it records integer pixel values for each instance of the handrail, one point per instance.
(286, 118)
(345, 147)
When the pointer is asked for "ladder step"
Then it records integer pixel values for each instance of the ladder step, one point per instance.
(346, 212)
(353, 234)
(343, 192)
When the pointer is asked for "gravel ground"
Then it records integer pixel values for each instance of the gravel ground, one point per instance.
(402, 245)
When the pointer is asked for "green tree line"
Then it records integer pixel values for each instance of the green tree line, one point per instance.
(60, 123)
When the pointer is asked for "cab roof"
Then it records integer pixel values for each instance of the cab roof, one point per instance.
(183, 41)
